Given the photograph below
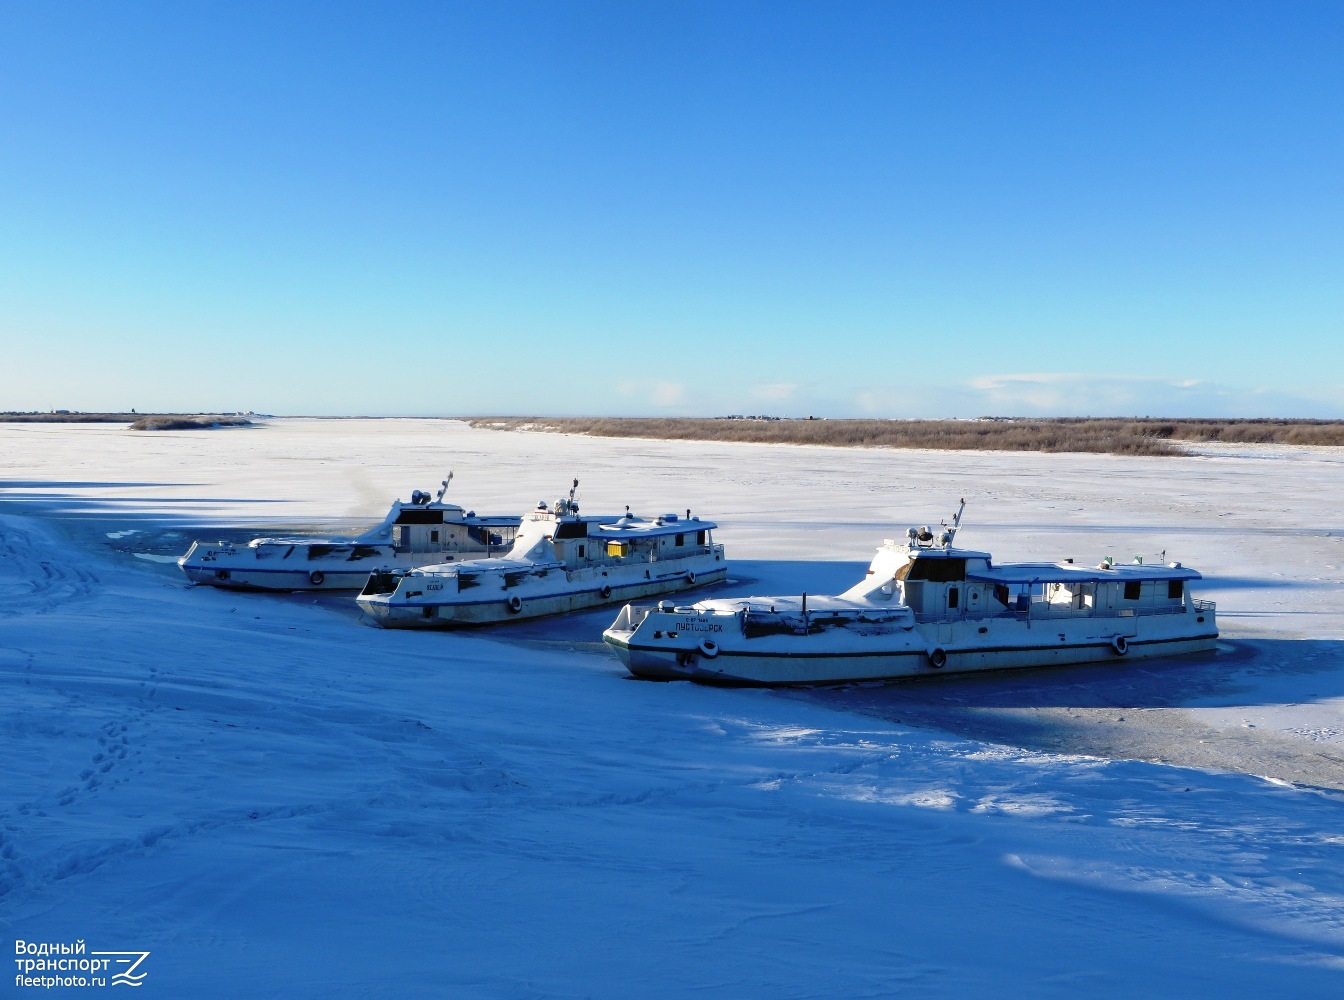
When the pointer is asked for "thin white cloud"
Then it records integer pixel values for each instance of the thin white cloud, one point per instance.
(995, 382)
(1030, 394)
(777, 392)
(1075, 394)
(663, 394)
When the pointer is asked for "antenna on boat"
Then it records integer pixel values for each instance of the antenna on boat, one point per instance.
(951, 531)
(444, 488)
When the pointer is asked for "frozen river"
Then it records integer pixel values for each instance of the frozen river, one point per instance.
(276, 799)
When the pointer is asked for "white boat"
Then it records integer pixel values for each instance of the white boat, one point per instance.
(924, 607)
(561, 561)
(413, 534)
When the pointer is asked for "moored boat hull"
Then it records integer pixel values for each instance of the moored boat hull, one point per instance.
(243, 568)
(726, 664)
(924, 607)
(524, 602)
(422, 533)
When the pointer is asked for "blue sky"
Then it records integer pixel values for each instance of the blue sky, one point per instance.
(842, 209)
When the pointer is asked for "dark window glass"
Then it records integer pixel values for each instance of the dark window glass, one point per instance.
(1175, 588)
(1132, 590)
(417, 516)
(953, 597)
(937, 570)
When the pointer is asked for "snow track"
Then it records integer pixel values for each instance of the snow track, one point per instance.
(31, 584)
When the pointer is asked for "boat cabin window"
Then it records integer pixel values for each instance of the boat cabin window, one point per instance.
(420, 517)
(433, 536)
(488, 537)
(953, 597)
(700, 537)
(1175, 588)
(571, 529)
(681, 539)
(933, 570)
(1132, 590)
(581, 549)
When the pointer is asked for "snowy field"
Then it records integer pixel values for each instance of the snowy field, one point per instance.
(275, 799)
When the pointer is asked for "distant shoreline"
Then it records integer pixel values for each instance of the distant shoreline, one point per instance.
(137, 421)
(1141, 436)
(1101, 435)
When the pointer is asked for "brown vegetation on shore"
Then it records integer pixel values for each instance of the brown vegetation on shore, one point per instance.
(190, 422)
(137, 421)
(1117, 436)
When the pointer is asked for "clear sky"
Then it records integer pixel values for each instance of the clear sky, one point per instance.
(830, 208)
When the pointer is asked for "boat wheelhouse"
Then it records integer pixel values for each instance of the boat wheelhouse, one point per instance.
(560, 561)
(426, 530)
(924, 607)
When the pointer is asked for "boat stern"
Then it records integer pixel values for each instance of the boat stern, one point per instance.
(395, 599)
(666, 642)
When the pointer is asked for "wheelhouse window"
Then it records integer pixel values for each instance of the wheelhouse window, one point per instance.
(681, 539)
(1175, 589)
(1132, 590)
(934, 570)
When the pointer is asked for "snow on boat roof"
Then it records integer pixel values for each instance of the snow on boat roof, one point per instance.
(342, 542)
(494, 564)
(668, 524)
(794, 605)
(948, 553)
(1065, 571)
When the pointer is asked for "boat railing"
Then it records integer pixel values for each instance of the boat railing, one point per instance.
(653, 556)
(1045, 610)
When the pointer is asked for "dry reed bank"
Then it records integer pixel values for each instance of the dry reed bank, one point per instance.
(1118, 436)
(190, 422)
(137, 421)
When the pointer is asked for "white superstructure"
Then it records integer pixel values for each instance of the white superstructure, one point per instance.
(426, 530)
(924, 607)
(561, 561)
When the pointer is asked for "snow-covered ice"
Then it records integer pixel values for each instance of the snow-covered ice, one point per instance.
(275, 799)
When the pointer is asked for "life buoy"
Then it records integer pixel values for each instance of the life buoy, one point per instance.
(1120, 644)
(937, 658)
(515, 604)
(605, 591)
(709, 649)
(690, 576)
(316, 578)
